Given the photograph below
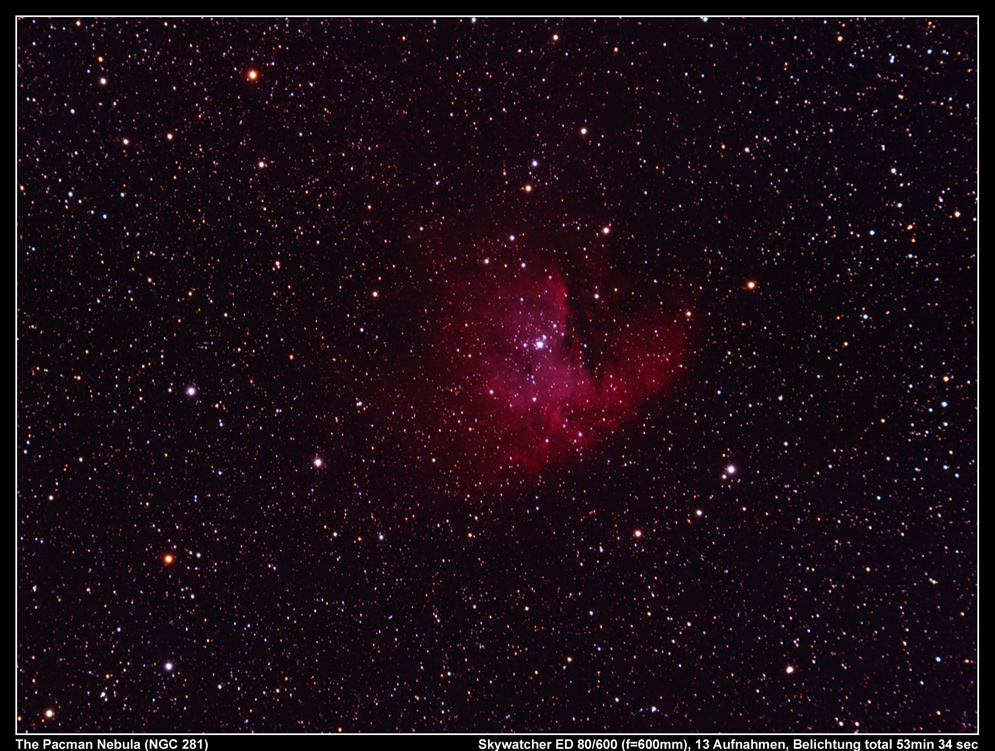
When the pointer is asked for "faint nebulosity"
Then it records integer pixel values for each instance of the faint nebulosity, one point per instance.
(497, 374)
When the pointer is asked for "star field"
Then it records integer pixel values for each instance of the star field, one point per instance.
(472, 374)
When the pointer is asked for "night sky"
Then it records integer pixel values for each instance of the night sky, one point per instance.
(496, 375)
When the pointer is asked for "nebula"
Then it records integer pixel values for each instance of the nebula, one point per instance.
(526, 365)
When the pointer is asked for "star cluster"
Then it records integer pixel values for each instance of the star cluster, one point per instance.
(493, 374)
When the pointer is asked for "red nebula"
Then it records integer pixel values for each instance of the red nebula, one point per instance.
(520, 373)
